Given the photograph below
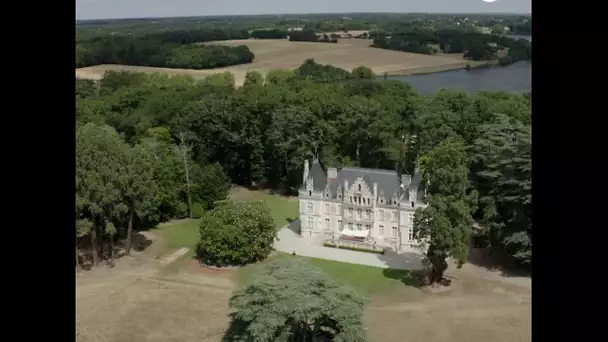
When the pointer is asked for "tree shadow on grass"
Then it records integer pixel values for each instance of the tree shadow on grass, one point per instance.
(497, 261)
(139, 243)
(415, 278)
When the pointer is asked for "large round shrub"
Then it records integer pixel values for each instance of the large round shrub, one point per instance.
(236, 233)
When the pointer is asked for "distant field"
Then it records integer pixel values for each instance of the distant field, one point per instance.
(282, 54)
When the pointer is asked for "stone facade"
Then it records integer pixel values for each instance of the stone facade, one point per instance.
(376, 204)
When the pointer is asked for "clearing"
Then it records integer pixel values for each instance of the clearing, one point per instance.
(185, 233)
(140, 299)
(283, 54)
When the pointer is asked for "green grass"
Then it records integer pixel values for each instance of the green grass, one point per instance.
(185, 233)
(282, 208)
(367, 280)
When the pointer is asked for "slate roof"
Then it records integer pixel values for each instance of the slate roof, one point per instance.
(319, 179)
(387, 180)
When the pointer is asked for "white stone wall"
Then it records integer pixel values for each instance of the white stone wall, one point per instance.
(336, 214)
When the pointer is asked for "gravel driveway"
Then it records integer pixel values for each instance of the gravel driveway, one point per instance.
(290, 242)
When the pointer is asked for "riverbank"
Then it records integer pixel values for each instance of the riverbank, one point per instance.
(96, 72)
(465, 64)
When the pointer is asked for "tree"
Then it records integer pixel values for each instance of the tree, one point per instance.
(253, 77)
(211, 185)
(445, 224)
(100, 166)
(139, 187)
(236, 233)
(169, 174)
(362, 73)
(184, 150)
(478, 51)
(503, 172)
(289, 300)
(279, 76)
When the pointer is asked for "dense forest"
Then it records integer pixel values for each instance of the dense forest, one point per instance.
(474, 45)
(269, 34)
(172, 49)
(185, 141)
(320, 23)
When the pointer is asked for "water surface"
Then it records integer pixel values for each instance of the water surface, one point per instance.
(515, 78)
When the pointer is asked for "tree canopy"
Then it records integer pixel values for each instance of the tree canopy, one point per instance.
(446, 223)
(171, 49)
(236, 233)
(259, 134)
(503, 174)
(474, 45)
(289, 300)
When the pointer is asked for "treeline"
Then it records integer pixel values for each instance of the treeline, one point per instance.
(310, 36)
(325, 73)
(269, 34)
(260, 133)
(473, 45)
(523, 28)
(122, 186)
(172, 49)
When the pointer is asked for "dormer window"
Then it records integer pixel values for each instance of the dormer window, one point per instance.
(309, 193)
(413, 204)
(327, 194)
(359, 187)
(381, 200)
(339, 196)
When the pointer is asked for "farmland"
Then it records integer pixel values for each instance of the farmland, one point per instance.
(282, 54)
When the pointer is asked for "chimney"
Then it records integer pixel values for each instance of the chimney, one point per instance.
(332, 173)
(412, 197)
(406, 180)
(305, 172)
(375, 198)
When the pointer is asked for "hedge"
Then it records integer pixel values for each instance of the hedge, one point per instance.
(357, 249)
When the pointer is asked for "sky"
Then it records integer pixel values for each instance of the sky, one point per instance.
(106, 9)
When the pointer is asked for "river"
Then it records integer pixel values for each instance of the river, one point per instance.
(515, 78)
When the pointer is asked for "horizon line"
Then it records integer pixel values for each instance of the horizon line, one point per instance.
(309, 13)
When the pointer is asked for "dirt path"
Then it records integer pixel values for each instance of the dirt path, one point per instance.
(140, 299)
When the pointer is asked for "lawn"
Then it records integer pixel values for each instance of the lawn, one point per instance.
(367, 280)
(283, 208)
(185, 233)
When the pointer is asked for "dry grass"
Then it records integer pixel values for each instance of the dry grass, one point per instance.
(282, 54)
(472, 310)
(139, 300)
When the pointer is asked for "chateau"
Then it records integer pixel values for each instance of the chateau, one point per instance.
(371, 205)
